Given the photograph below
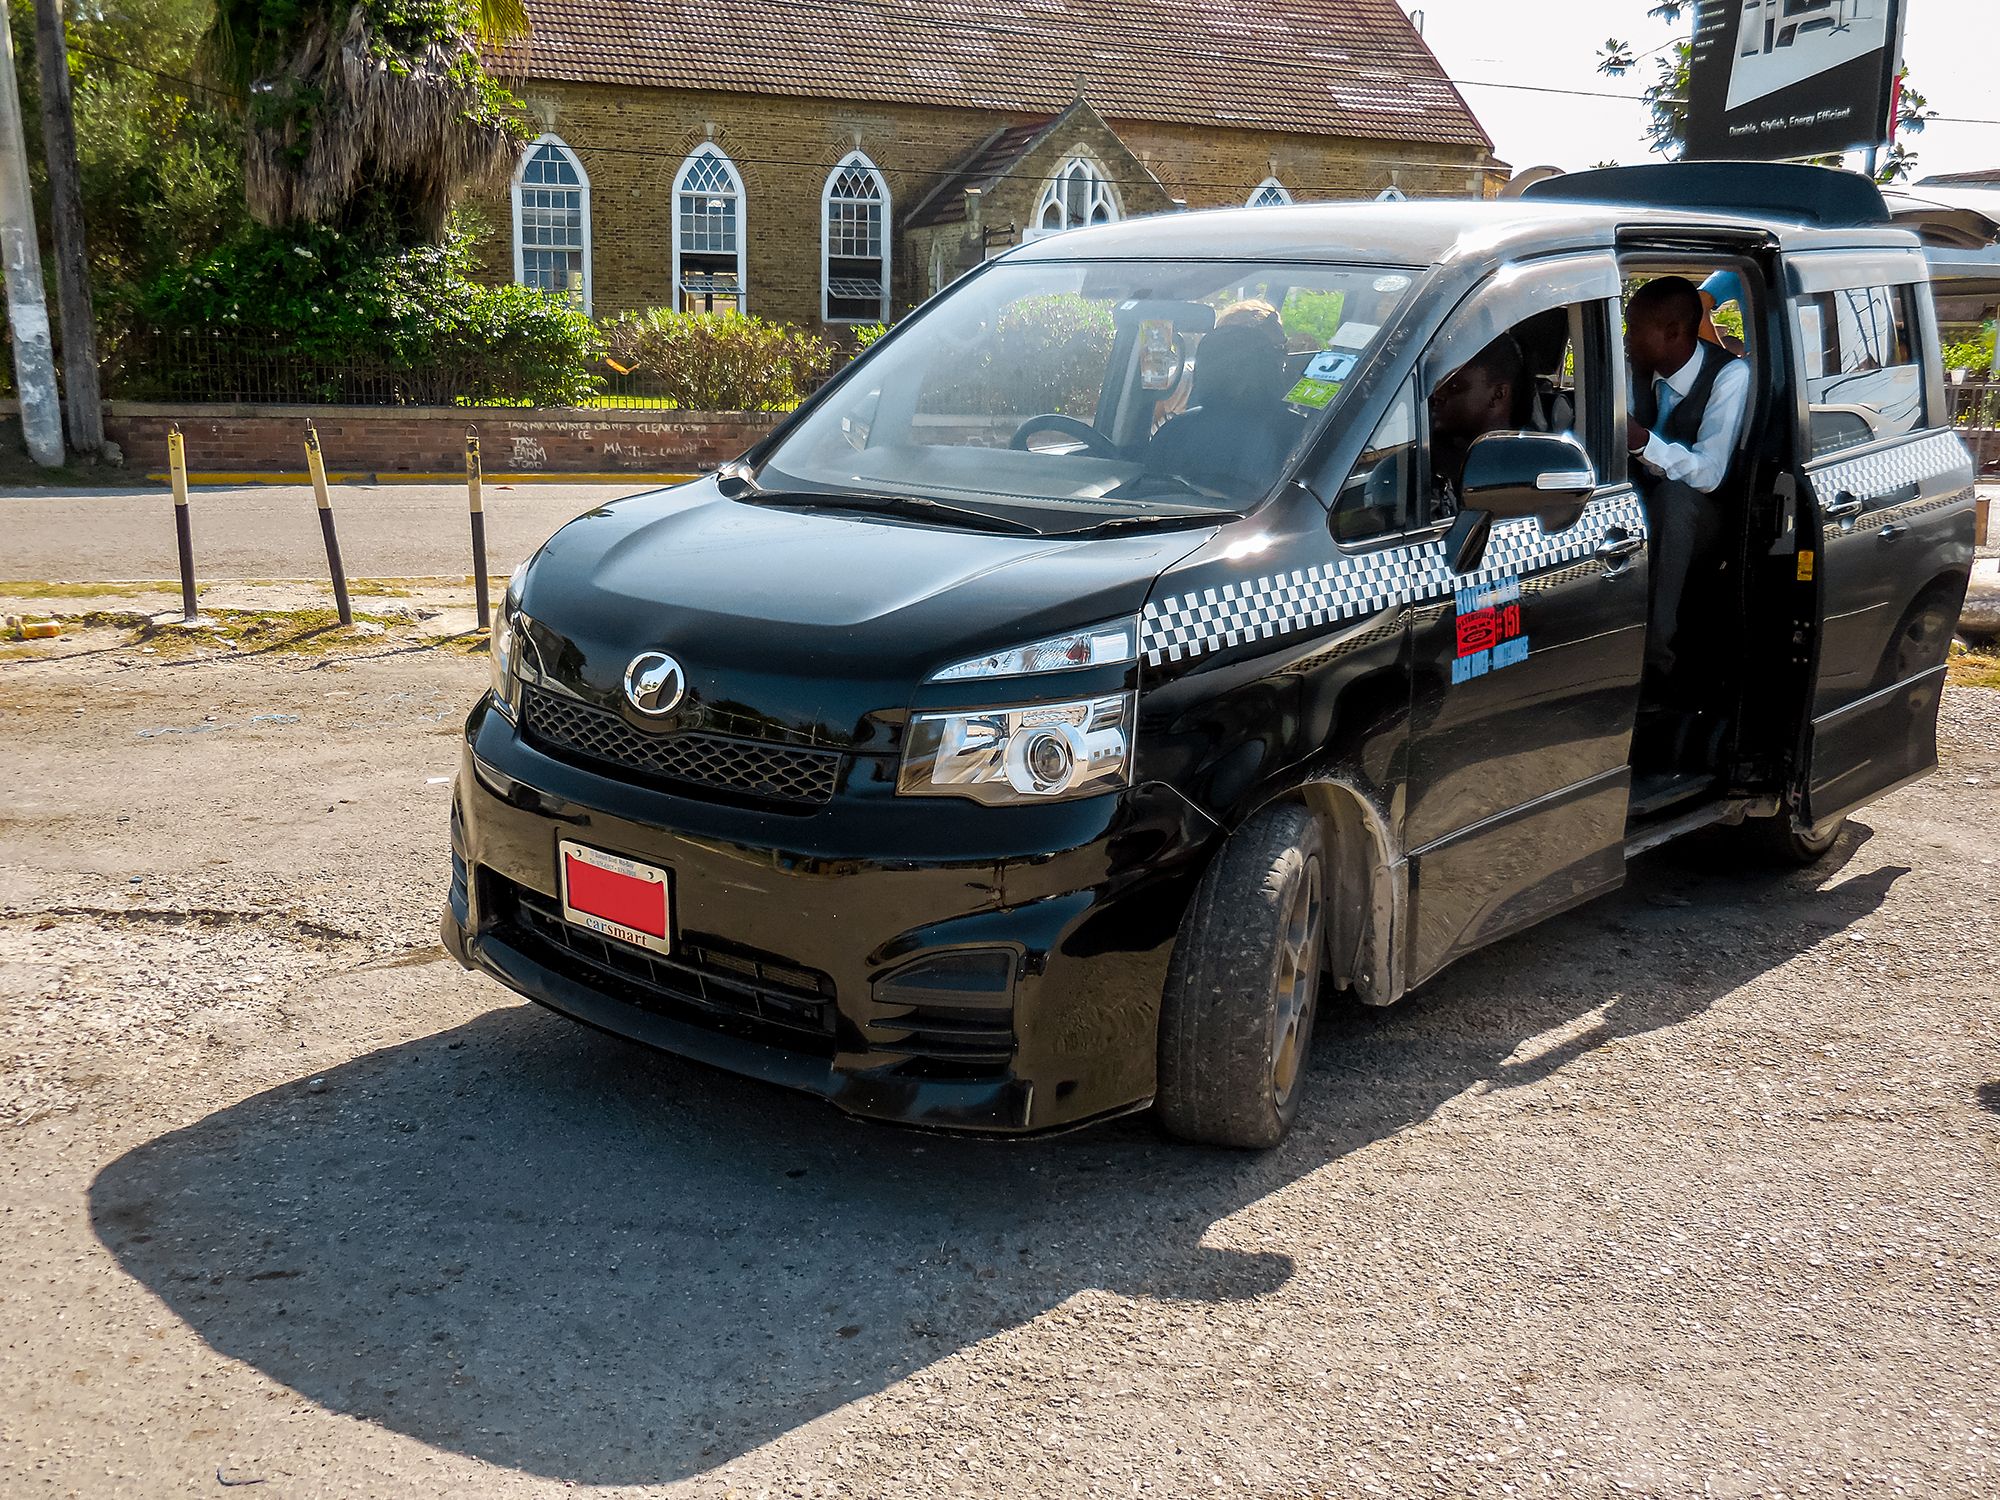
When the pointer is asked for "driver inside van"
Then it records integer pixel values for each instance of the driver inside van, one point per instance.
(1237, 428)
(1488, 393)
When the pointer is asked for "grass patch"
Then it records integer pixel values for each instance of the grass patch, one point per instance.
(45, 588)
(1977, 666)
(303, 632)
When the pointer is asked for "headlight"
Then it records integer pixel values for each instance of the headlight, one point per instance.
(506, 644)
(1096, 646)
(1037, 753)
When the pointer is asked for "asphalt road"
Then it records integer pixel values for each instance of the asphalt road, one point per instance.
(1689, 1192)
(272, 531)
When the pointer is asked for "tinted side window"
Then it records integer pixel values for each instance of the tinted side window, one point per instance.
(1374, 500)
(1863, 374)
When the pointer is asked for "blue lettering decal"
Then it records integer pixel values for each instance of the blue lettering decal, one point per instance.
(1507, 653)
(1468, 667)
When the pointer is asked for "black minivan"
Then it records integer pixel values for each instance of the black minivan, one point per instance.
(1036, 724)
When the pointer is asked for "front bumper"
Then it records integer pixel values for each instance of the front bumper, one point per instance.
(797, 937)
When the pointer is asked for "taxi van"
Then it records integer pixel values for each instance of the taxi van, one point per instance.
(1100, 671)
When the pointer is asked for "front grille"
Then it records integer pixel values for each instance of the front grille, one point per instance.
(754, 996)
(711, 762)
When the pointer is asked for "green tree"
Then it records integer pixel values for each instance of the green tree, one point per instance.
(158, 153)
(1666, 96)
(367, 115)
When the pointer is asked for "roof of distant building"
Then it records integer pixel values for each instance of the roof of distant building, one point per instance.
(1985, 177)
(1356, 69)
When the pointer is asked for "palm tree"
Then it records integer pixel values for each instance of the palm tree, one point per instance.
(366, 111)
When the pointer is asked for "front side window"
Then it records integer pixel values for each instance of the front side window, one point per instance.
(552, 222)
(1864, 381)
(1542, 373)
(854, 277)
(1078, 194)
(1068, 394)
(708, 233)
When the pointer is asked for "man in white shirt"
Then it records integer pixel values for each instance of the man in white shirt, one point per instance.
(1689, 398)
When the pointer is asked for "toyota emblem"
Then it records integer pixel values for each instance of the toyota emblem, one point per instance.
(655, 683)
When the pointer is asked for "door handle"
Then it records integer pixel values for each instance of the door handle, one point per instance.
(1841, 507)
(1893, 530)
(1616, 551)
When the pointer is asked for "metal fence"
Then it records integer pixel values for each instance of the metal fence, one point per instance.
(1975, 412)
(199, 368)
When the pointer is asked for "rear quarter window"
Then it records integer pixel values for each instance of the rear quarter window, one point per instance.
(1862, 368)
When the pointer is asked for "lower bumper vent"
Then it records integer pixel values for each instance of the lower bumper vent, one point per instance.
(952, 1013)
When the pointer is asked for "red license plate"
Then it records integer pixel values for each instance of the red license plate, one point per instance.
(615, 896)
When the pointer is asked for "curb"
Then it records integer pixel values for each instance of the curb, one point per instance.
(442, 476)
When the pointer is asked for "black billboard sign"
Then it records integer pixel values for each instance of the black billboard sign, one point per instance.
(1771, 79)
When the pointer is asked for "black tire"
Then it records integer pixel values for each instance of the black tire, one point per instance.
(1237, 1016)
(1773, 841)
(1922, 641)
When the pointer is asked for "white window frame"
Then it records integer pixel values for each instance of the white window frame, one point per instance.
(583, 183)
(1053, 194)
(710, 149)
(1268, 185)
(853, 159)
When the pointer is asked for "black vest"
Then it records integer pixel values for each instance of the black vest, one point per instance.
(1683, 424)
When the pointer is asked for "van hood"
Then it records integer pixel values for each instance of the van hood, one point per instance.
(797, 625)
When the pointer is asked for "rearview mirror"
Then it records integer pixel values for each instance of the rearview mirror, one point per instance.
(1508, 475)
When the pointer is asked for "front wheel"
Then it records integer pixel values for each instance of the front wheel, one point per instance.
(1237, 1015)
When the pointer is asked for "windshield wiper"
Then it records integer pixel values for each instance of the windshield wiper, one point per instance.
(941, 511)
(1167, 521)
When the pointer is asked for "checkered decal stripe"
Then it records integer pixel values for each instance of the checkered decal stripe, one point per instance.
(1189, 625)
(1933, 456)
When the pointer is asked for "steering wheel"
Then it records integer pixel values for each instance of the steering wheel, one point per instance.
(1095, 443)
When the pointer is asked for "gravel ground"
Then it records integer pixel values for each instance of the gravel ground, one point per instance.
(1689, 1192)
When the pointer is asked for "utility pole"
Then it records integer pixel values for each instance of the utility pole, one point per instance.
(21, 261)
(80, 393)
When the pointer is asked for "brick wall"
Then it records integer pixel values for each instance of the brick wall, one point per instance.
(631, 142)
(415, 440)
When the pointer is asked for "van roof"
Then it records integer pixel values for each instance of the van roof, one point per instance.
(1425, 232)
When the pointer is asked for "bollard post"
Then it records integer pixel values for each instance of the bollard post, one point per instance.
(316, 466)
(177, 471)
(473, 498)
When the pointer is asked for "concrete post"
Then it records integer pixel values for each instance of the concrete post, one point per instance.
(21, 260)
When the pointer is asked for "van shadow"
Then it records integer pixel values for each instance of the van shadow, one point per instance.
(552, 1251)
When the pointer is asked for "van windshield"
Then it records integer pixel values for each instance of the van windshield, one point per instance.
(1069, 395)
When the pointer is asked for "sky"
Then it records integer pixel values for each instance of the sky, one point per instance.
(1952, 49)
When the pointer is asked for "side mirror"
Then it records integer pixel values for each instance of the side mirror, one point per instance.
(1513, 474)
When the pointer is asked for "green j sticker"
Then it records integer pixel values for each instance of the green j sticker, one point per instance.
(1314, 393)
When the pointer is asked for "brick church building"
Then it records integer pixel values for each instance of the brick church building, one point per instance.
(833, 162)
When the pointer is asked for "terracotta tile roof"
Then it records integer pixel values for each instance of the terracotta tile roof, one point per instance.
(991, 160)
(1352, 68)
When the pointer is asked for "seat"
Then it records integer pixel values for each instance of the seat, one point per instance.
(1237, 428)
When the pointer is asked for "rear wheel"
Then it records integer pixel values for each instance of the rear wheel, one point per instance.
(1922, 641)
(1775, 841)
(1237, 1016)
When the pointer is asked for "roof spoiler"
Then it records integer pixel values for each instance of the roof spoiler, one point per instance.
(1817, 195)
